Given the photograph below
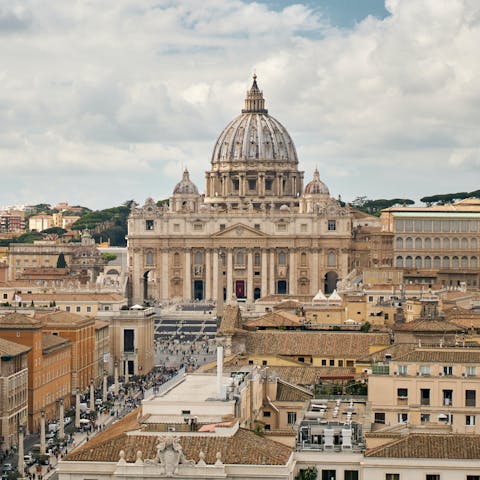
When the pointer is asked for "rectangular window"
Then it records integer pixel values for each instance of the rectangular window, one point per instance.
(448, 370)
(324, 363)
(67, 308)
(281, 227)
(235, 184)
(176, 227)
(424, 396)
(470, 398)
(402, 392)
(303, 227)
(470, 420)
(149, 224)
(291, 418)
(252, 184)
(424, 369)
(128, 340)
(424, 417)
(332, 225)
(266, 414)
(332, 363)
(473, 477)
(340, 363)
(432, 476)
(198, 227)
(350, 475)
(89, 309)
(470, 371)
(392, 476)
(329, 474)
(268, 184)
(447, 397)
(402, 417)
(380, 418)
(257, 226)
(222, 226)
(5, 296)
(78, 309)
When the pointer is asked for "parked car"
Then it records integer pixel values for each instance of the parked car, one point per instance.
(67, 420)
(52, 427)
(28, 459)
(7, 467)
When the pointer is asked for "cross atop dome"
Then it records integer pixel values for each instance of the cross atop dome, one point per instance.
(254, 102)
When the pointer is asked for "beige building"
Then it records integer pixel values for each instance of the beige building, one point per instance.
(13, 391)
(131, 341)
(256, 231)
(437, 244)
(430, 387)
(102, 349)
(38, 223)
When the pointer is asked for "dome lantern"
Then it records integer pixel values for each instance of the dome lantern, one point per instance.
(254, 102)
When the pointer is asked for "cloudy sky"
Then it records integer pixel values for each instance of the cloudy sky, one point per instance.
(102, 101)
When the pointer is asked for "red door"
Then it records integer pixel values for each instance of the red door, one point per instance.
(240, 288)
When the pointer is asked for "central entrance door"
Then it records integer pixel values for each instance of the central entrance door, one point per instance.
(198, 289)
(240, 288)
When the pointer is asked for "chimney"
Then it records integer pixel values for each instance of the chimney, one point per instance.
(219, 372)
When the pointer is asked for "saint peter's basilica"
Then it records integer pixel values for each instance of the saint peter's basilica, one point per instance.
(256, 231)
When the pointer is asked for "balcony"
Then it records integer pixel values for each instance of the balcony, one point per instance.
(381, 369)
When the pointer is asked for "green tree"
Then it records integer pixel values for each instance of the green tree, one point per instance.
(109, 256)
(61, 263)
(308, 474)
(56, 230)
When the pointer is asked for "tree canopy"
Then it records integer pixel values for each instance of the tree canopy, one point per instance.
(445, 198)
(374, 207)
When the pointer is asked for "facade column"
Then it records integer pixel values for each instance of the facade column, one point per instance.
(42, 432)
(187, 281)
(208, 283)
(21, 451)
(229, 275)
(165, 275)
(264, 273)
(250, 277)
(314, 272)
(105, 387)
(215, 295)
(115, 379)
(271, 278)
(77, 408)
(92, 396)
(292, 273)
(61, 420)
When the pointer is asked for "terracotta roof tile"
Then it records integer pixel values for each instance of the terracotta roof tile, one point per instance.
(11, 348)
(276, 319)
(65, 318)
(231, 320)
(52, 341)
(311, 375)
(286, 392)
(439, 446)
(442, 355)
(19, 321)
(424, 325)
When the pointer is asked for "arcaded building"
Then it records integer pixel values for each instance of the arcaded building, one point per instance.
(255, 231)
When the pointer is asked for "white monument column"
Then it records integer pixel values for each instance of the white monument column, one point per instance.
(21, 450)
(187, 281)
(115, 378)
(165, 275)
(264, 273)
(42, 433)
(229, 275)
(250, 277)
(271, 278)
(77, 408)
(92, 396)
(105, 387)
(61, 420)
(292, 288)
(208, 283)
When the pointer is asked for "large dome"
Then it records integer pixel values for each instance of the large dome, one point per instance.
(254, 135)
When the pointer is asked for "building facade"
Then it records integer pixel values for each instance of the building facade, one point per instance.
(256, 231)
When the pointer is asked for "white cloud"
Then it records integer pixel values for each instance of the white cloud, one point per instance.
(142, 87)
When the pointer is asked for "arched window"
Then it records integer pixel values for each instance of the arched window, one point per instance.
(418, 262)
(464, 262)
(399, 243)
(446, 244)
(464, 244)
(436, 243)
(198, 259)
(409, 243)
(428, 262)
(436, 262)
(446, 262)
(176, 259)
(399, 262)
(473, 244)
(428, 243)
(149, 258)
(282, 258)
(455, 262)
(409, 262)
(418, 243)
(455, 243)
(331, 259)
(473, 262)
(303, 259)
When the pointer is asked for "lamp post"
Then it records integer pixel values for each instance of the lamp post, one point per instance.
(77, 408)
(21, 462)
(61, 420)
(42, 433)
(92, 396)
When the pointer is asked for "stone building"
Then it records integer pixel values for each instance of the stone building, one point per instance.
(255, 231)
(13, 391)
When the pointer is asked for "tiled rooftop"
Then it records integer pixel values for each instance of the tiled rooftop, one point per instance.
(11, 348)
(442, 355)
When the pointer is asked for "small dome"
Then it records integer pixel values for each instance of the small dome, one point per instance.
(284, 208)
(316, 186)
(185, 186)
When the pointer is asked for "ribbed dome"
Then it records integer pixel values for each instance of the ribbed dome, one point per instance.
(185, 186)
(316, 186)
(254, 135)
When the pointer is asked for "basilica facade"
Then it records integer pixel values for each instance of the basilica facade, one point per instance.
(256, 231)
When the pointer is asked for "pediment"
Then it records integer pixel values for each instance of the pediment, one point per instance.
(239, 230)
